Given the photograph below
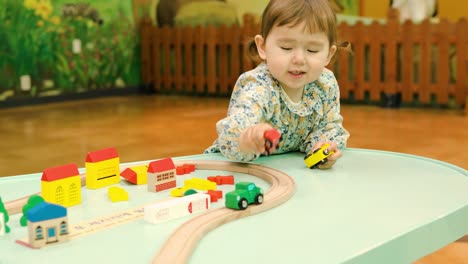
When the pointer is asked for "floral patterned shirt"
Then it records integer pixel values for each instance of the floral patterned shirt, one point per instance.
(259, 98)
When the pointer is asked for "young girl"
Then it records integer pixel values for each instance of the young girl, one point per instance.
(291, 90)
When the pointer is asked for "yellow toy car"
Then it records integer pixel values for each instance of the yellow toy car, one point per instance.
(319, 156)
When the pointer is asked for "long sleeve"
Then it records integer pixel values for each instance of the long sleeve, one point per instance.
(329, 126)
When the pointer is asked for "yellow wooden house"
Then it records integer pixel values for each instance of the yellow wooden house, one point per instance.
(61, 185)
(102, 168)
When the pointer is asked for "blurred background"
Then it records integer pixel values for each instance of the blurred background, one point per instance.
(81, 76)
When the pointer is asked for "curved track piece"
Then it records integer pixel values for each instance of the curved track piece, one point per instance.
(182, 242)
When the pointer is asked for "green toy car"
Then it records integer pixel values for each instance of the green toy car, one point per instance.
(245, 193)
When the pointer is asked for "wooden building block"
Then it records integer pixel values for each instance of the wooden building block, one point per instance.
(176, 208)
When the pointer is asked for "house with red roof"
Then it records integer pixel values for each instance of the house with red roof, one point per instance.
(136, 175)
(161, 175)
(102, 168)
(61, 185)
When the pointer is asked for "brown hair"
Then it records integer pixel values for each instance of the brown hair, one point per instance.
(317, 15)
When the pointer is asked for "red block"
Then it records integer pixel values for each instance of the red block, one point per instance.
(212, 179)
(180, 170)
(220, 180)
(229, 179)
(215, 195)
(185, 169)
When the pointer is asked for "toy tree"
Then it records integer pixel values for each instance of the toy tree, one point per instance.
(6, 217)
(32, 201)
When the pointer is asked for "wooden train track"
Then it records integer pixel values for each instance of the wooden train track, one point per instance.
(180, 245)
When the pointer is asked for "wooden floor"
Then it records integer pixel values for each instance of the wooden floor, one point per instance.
(151, 127)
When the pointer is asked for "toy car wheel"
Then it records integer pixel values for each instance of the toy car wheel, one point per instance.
(243, 204)
(259, 199)
(323, 161)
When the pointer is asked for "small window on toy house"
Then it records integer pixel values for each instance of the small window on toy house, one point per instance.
(39, 233)
(63, 228)
(59, 195)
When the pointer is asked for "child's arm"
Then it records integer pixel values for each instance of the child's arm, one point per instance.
(240, 134)
(330, 127)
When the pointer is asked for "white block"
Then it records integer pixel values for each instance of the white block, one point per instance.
(177, 207)
(2, 225)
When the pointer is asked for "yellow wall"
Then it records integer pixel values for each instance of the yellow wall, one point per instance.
(451, 9)
(248, 6)
(374, 8)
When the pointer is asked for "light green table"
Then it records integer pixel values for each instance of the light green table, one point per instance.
(372, 207)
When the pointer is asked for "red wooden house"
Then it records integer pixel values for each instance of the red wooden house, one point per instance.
(161, 175)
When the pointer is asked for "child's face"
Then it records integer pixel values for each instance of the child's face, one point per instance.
(294, 56)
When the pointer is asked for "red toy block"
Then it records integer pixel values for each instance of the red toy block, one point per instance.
(185, 169)
(220, 180)
(212, 179)
(215, 195)
(180, 170)
(190, 167)
(229, 179)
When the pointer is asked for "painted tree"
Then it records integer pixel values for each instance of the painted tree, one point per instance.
(32, 201)
(6, 217)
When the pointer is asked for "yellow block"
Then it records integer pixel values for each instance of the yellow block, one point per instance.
(199, 184)
(117, 194)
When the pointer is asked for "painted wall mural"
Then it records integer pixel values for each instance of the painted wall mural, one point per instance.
(54, 47)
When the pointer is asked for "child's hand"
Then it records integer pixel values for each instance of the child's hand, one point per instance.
(252, 139)
(332, 158)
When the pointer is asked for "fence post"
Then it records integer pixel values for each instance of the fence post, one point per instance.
(146, 51)
(211, 59)
(359, 65)
(392, 97)
(461, 86)
(166, 38)
(224, 38)
(407, 62)
(178, 63)
(188, 62)
(425, 63)
(236, 51)
(343, 65)
(375, 51)
(200, 59)
(443, 62)
(156, 57)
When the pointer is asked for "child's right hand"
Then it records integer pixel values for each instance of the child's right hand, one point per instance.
(252, 139)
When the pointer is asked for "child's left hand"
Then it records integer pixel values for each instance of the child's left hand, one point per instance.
(332, 158)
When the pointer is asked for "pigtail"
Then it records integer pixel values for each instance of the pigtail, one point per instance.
(252, 51)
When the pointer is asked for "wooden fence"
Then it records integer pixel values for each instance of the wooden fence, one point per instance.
(424, 64)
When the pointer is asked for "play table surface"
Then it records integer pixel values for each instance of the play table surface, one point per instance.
(371, 207)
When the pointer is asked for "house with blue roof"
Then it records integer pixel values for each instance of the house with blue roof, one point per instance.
(47, 224)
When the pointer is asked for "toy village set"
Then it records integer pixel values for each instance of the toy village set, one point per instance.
(45, 214)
